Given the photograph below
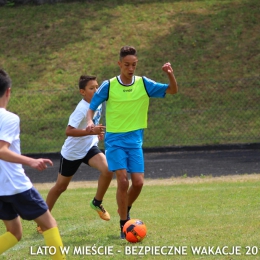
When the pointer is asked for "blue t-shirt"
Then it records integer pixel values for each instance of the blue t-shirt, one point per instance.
(133, 139)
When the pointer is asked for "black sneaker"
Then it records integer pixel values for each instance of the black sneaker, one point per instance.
(122, 235)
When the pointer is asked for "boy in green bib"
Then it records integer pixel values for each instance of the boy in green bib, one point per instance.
(127, 101)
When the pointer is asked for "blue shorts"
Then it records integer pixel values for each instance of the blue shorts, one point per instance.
(28, 205)
(131, 159)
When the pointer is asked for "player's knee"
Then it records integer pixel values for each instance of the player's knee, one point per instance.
(107, 174)
(110, 175)
(61, 188)
(138, 184)
(123, 184)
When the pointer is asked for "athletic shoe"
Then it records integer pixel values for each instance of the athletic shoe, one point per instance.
(122, 235)
(39, 230)
(101, 211)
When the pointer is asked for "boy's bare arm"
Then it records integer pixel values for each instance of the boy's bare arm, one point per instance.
(173, 88)
(90, 115)
(7, 155)
(96, 130)
(90, 124)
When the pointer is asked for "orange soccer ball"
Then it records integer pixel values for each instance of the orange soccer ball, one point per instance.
(134, 230)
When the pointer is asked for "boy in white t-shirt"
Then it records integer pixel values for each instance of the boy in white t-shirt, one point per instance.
(81, 147)
(18, 197)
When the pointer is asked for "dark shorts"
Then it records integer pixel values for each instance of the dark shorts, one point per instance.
(28, 205)
(69, 168)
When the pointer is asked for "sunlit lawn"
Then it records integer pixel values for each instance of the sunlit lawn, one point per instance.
(214, 216)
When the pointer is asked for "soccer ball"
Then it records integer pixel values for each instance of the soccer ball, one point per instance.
(134, 230)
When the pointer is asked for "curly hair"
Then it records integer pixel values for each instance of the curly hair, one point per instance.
(127, 50)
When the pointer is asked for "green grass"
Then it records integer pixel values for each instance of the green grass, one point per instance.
(49, 46)
(187, 212)
(205, 113)
(212, 45)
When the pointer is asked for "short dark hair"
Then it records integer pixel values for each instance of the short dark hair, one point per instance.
(127, 50)
(84, 79)
(5, 82)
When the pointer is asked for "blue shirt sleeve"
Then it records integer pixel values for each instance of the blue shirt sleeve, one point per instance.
(100, 96)
(155, 89)
(97, 115)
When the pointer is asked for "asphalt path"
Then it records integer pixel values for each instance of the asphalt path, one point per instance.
(165, 163)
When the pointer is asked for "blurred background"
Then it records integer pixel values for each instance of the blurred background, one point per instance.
(213, 46)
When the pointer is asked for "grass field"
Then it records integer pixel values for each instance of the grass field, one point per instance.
(49, 46)
(213, 46)
(184, 214)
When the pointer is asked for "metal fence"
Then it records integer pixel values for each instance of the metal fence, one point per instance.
(202, 113)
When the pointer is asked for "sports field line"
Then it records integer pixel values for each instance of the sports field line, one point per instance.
(168, 181)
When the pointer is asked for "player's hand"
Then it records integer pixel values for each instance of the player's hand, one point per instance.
(167, 68)
(99, 129)
(41, 164)
(101, 137)
(90, 127)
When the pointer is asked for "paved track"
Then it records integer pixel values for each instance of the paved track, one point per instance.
(214, 162)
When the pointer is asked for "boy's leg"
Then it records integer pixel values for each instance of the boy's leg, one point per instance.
(117, 159)
(121, 193)
(136, 168)
(99, 162)
(59, 187)
(96, 159)
(122, 197)
(30, 206)
(51, 233)
(13, 234)
(54, 193)
(66, 171)
(136, 187)
(46, 221)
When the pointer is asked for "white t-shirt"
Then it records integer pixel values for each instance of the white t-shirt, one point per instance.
(12, 177)
(75, 148)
